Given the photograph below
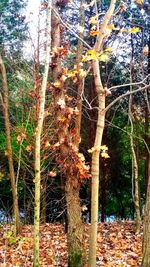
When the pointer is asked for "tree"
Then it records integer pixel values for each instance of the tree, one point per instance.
(101, 94)
(11, 22)
(146, 240)
(71, 161)
(9, 152)
(38, 139)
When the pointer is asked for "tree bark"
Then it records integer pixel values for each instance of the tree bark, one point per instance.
(9, 147)
(135, 172)
(80, 82)
(36, 261)
(43, 199)
(146, 236)
(76, 254)
(101, 94)
(75, 227)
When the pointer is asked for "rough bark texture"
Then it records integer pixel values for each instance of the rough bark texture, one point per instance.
(101, 94)
(36, 262)
(75, 226)
(9, 147)
(72, 186)
(146, 236)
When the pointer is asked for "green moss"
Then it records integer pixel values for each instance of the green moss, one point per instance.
(76, 259)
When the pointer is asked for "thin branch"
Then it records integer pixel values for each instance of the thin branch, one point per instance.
(71, 31)
(124, 95)
(129, 84)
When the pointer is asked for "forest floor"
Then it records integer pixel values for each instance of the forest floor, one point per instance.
(118, 245)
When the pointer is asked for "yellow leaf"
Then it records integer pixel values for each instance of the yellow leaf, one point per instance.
(104, 147)
(57, 84)
(91, 55)
(140, 2)
(105, 155)
(109, 49)
(55, 49)
(81, 156)
(82, 73)
(72, 73)
(91, 150)
(104, 57)
(92, 52)
(134, 30)
(111, 26)
(93, 20)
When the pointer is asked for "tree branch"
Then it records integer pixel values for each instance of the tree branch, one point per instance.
(124, 95)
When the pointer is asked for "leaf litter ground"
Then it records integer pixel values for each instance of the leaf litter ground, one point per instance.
(118, 245)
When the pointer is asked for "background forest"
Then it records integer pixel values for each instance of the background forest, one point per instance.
(74, 125)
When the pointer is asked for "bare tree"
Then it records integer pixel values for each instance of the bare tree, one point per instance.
(9, 152)
(38, 140)
(101, 94)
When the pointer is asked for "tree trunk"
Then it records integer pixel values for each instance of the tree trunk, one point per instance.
(80, 82)
(146, 236)
(72, 187)
(101, 94)
(136, 186)
(147, 141)
(9, 147)
(36, 261)
(75, 227)
(76, 251)
(135, 172)
(43, 199)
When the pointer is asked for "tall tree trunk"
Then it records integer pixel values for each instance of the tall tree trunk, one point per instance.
(136, 189)
(101, 94)
(146, 236)
(75, 227)
(9, 147)
(147, 141)
(74, 214)
(80, 82)
(43, 198)
(72, 185)
(36, 262)
(135, 175)
(135, 172)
